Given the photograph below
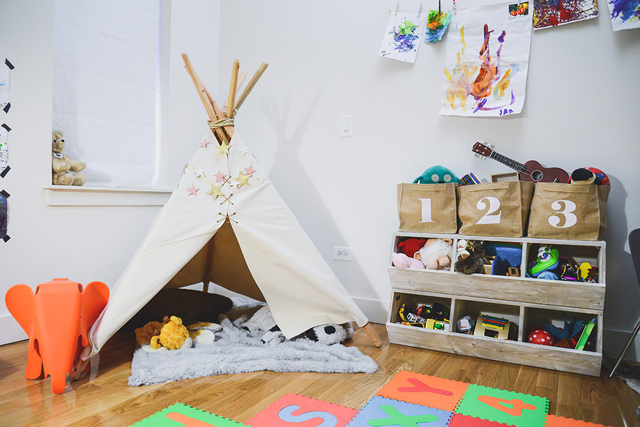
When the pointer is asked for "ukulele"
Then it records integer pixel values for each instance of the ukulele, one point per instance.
(530, 171)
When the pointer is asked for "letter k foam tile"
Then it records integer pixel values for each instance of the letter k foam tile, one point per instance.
(508, 407)
(383, 412)
(293, 410)
(180, 414)
(424, 390)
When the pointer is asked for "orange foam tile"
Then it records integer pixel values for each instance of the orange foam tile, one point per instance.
(555, 421)
(424, 390)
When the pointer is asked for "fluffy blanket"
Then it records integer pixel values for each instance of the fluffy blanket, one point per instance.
(236, 350)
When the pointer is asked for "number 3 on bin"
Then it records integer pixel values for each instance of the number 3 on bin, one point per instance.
(569, 218)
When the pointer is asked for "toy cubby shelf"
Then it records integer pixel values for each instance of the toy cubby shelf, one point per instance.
(527, 302)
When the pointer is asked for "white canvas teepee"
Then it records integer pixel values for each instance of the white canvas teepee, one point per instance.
(225, 223)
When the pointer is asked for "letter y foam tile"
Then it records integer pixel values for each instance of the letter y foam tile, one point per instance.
(384, 412)
(424, 390)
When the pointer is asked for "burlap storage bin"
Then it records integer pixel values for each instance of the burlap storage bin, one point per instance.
(494, 209)
(427, 208)
(568, 211)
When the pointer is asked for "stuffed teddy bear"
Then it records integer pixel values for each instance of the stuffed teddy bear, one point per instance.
(435, 254)
(64, 168)
(173, 335)
(403, 261)
(462, 251)
(475, 261)
(262, 325)
(330, 334)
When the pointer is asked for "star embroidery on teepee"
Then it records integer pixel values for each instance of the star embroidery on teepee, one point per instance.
(197, 170)
(250, 170)
(220, 177)
(193, 190)
(224, 148)
(215, 191)
(242, 179)
(204, 143)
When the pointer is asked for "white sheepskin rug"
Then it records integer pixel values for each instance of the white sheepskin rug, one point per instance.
(236, 350)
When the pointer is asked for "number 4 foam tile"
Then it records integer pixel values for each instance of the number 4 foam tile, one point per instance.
(459, 420)
(180, 414)
(424, 390)
(302, 411)
(384, 412)
(503, 406)
(555, 421)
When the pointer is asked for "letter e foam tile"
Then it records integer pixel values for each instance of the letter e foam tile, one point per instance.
(383, 412)
(301, 411)
(424, 390)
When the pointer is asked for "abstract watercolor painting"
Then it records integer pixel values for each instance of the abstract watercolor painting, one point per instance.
(437, 23)
(402, 38)
(486, 63)
(551, 13)
(625, 14)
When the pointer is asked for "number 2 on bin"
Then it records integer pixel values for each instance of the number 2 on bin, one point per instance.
(490, 217)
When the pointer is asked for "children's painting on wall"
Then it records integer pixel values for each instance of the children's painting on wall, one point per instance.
(487, 59)
(551, 13)
(625, 14)
(403, 36)
(4, 85)
(437, 22)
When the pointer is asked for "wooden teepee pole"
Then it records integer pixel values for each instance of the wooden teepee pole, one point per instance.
(202, 93)
(251, 84)
(232, 88)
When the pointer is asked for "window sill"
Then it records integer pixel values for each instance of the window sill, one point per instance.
(61, 195)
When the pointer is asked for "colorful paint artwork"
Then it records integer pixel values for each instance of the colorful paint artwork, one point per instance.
(625, 14)
(402, 38)
(5, 70)
(551, 13)
(486, 63)
(437, 23)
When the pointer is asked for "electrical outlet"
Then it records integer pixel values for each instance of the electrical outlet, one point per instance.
(342, 253)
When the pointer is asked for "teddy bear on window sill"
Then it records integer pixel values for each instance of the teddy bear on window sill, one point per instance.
(64, 169)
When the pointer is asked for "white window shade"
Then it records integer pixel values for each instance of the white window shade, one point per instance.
(105, 88)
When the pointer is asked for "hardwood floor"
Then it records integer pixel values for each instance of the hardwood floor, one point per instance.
(103, 397)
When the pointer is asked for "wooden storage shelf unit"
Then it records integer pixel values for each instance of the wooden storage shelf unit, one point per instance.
(526, 302)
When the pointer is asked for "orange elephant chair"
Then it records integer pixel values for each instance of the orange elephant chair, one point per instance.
(57, 319)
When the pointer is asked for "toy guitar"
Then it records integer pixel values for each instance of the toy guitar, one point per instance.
(531, 171)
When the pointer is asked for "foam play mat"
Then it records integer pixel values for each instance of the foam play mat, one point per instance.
(407, 400)
(179, 414)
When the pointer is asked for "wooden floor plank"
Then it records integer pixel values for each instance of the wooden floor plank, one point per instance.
(104, 399)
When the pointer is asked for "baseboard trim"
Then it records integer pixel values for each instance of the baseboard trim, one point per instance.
(11, 330)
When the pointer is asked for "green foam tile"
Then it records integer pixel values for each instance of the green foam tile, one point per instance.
(508, 407)
(179, 415)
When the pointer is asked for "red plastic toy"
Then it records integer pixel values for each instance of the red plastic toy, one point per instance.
(57, 319)
(540, 337)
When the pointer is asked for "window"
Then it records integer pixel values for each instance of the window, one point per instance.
(106, 88)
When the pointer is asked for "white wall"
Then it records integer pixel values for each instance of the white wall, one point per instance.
(581, 110)
(83, 243)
